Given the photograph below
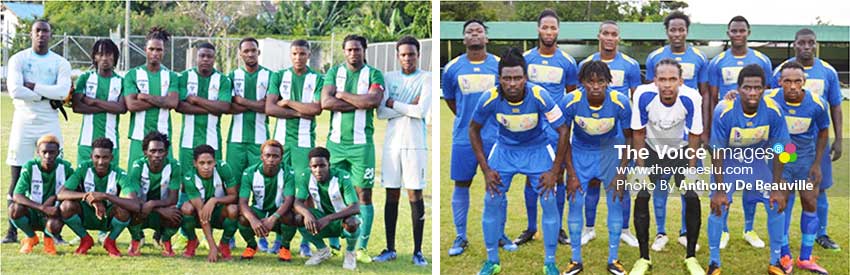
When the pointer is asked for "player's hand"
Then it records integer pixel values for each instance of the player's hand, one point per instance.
(321, 223)
(836, 150)
(98, 196)
(493, 181)
(269, 222)
(192, 99)
(780, 198)
(617, 186)
(573, 186)
(547, 183)
(731, 95)
(88, 198)
(50, 211)
(171, 214)
(311, 224)
(339, 95)
(29, 85)
(719, 202)
(283, 102)
(213, 256)
(815, 175)
(143, 96)
(206, 212)
(146, 209)
(389, 103)
(99, 210)
(259, 228)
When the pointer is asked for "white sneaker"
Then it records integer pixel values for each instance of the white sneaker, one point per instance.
(753, 238)
(319, 256)
(627, 237)
(350, 260)
(587, 234)
(724, 240)
(660, 242)
(683, 240)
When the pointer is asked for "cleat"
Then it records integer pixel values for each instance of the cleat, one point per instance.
(458, 246)
(27, 244)
(263, 244)
(74, 241)
(660, 242)
(248, 254)
(57, 239)
(811, 266)
(574, 268)
(775, 269)
(363, 256)
(385, 256)
(305, 250)
(11, 235)
(753, 238)
(551, 269)
(85, 244)
(640, 267)
(587, 235)
(724, 240)
(180, 242)
(827, 243)
(563, 238)
(134, 250)
(524, 237)
(628, 238)
(167, 251)
(490, 268)
(787, 264)
(275, 247)
(49, 246)
(683, 240)
(616, 268)
(191, 245)
(101, 237)
(320, 256)
(419, 259)
(232, 243)
(350, 259)
(111, 248)
(693, 267)
(713, 269)
(507, 244)
(224, 249)
(284, 255)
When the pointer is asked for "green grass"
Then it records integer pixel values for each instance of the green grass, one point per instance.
(738, 257)
(151, 262)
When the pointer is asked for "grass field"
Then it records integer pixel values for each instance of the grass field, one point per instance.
(151, 262)
(738, 257)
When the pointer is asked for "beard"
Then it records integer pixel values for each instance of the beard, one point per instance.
(548, 44)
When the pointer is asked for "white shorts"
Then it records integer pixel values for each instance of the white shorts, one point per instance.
(404, 166)
(23, 137)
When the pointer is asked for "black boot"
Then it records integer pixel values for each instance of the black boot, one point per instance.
(11, 234)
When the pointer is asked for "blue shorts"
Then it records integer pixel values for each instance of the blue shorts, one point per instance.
(463, 163)
(798, 170)
(521, 160)
(595, 164)
(825, 169)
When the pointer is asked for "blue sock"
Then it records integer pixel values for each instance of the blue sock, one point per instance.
(531, 207)
(809, 227)
(659, 202)
(749, 205)
(715, 229)
(775, 231)
(460, 208)
(491, 223)
(684, 229)
(561, 194)
(726, 220)
(574, 224)
(551, 225)
(615, 225)
(786, 228)
(823, 212)
(591, 199)
(626, 210)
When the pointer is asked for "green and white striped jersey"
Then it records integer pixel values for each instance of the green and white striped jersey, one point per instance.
(155, 186)
(250, 126)
(114, 182)
(306, 88)
(140, 80)
(354, 127)
(38, 185)
(331, 196)
(266, 193)
(104, 124)
(203, 129)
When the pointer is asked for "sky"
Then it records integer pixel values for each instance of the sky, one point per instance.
(776, 12)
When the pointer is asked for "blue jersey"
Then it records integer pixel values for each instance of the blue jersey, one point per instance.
(724, 68)
(804, 120)
(464, 82)
(597, 128)
(552, 72)
(520, 124)
(693, 61)
(625, 72)
(821, 79)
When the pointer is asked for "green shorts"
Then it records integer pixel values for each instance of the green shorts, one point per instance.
(242, 155)
(136, 152)
(297, 158)
(90, 220)
(38, 220)
(261, 214)
(359, 160)
(334, 229)
(153, 221)
(187, 158)
(84, 153)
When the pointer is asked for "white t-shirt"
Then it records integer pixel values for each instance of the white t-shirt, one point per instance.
(667, 125)
(406, 125)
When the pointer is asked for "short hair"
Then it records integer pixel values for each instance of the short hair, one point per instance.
(752, 70)
(470, 21)
(804, 31)
(158, 33)
(273, 143)
(512, 58)
(319, 152)
(205, 45)
(738, 18)
(791, 65)
(103, 143)
(407, 40)
(594, 67)
(607, 22)
(42, 20)
(548, 13)
(354, 37)
(668, 61)
(677, 15)
(300, 43)
(248, 39)
(48, 138)
(102, 46)
(155, 136)
(202, 149)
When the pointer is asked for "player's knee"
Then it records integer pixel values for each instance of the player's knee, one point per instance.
(243, 221)
(231, 211)
(393, 194)
(809, 201)
(16, 210)
(54, 225)
(69, 208)
(351, 224)
(187, 209)
(463, 183)
(288, 218)
(414, 195)
(365, 195)
(121, 214)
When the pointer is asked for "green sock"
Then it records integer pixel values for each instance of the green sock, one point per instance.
(167, 233)
(117, 227)
(23, 223)
(319, 243)
(189, 225)
(230, 226)
(285, 235)
(135, 231)
(48, 234)
(334, 242)
(367, 213)
(76, 225)
(248, 235)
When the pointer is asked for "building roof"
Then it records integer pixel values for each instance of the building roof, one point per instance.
(26, 10)
(526, 30)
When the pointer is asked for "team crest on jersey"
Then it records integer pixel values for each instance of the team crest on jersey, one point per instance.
(595, 115)
(143, 84)
(740, 62)
(476, 69)
(91, 90)
(192, 88)
(518, 123)
(237, 87)
(797, 125)
(748, 136)
(545, 62)
(792, 111)
(594, 126)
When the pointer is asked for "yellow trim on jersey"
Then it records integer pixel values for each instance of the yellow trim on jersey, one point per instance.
(576, 97)
(750, 116)
(588, 58)
(535, 91)
(629, 59)
(655, 52)
(451, 63)
(596, 108)
(729, 104)
(772, 92)
(567, 56)
(477, 62)
(494, 93)
(526, 53)
(772, 105)
(497, 58)
(817, 100)
(827, 65)
(793, 104)
(698, 52)
(760, 55)
(616, 100)
(515, 103)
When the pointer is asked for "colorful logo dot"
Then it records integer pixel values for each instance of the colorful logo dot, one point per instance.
(790, 148)
(778, 148)
(787, 153)
(784, 157)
